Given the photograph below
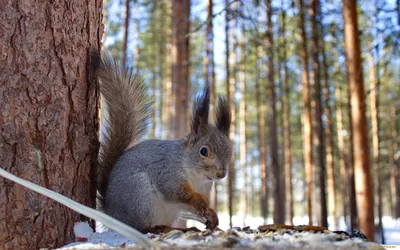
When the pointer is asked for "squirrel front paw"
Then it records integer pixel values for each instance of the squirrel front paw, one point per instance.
(212, 219)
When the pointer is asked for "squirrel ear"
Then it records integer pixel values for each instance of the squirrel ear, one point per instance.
(223, 121)
(200, 112)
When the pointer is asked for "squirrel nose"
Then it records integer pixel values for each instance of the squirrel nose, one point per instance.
(220, 175)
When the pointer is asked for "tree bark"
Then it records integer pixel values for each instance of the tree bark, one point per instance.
(242, 126)
(180, 67)
(363, 180)
(332, 202)
(374, 102)
(261, 129)
(317, 105)
(210, 82)
(395, 171)
(352, 202)
(126, 30)
(278, 216)
(231, 90)
(286, 128)
(49, 116)
(167, 91)
(306, 116)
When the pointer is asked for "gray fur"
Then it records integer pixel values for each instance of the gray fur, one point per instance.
(145, 179)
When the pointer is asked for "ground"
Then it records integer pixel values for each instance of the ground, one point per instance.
(263, 237)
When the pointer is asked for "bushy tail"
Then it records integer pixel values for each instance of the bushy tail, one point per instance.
(128, 113)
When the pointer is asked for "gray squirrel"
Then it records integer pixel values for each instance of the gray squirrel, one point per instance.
(149, 184)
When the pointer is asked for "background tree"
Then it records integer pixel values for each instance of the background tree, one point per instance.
(306, 117)
(49, 117)
(359, 122)
(180, 67)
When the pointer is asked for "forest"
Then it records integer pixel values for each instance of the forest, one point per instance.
(311, 136)
(312, 87)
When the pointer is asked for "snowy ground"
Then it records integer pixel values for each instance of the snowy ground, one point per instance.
(249, 238)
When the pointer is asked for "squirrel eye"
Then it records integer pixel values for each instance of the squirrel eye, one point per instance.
(204, 151)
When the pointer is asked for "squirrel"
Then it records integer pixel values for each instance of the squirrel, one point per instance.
(149, 184)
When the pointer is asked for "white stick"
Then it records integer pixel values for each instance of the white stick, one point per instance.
(108, 221)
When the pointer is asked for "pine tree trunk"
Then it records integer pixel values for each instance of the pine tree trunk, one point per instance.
(180, 72)
(261, 129)
(287, 149)
(317, 104)
(167, 93)
(279, 215)
(154, 81)
(395, 171)
(352, 203)
(49, 117)
(210, 82)
(126, 31)
(242, 127)
(180, 67)
(231, 90)
(229, 99)
(374, 99)
(306, 116)
(332, 202)
(341, 148)
(363, 180)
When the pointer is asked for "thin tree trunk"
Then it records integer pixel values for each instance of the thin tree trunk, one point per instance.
(242, 126)
(48, 117)
(162, 63)
(231, 100)
(395, 171)
(332, 202)
(154, 61)
(261, 130)
(278, 216)
(210, 82)
(374, 98)
(342, 155)
(317, 104)
(167, 117)
(363, 181)
(126, 31)
(287, 149)
(306, 116)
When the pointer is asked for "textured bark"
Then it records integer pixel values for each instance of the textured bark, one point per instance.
(374, 102)
(332, 202)
(306, 116)
(210, 82)
(180, 67)
(48, 116)
(287, 149)
(279, 207)
(317, 105)
(126, 30)
(242, 127)
(363, 182)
